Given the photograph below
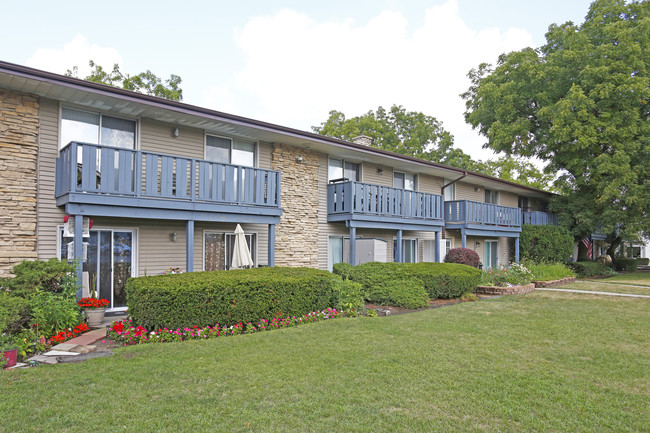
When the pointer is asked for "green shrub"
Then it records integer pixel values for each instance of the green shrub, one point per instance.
(440, 280)
(625, 264)
(14, 313)
(228, 297)
(643, 261)
(54, 312)
(545, 243)
(463, 256)
(343, 270)
(590, 269)
(407, 293)
(348, 296)
(37, 275)
(549, 271)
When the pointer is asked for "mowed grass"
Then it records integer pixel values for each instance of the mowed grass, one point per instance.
(635, 278)
(545, 361)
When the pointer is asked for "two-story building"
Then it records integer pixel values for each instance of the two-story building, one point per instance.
(131, 185)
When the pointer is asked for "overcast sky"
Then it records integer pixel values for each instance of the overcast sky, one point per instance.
(291, 62)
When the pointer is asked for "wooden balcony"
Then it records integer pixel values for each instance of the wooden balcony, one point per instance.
(538, 218)
(482, 219)
(375, 206)
(109, 181)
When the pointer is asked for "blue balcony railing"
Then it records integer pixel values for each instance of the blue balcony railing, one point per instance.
(538, 218)
(127, 173)
(356, 199)
(477, 213)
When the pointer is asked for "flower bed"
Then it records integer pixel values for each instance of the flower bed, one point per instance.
(554, 283)
(66, 335)
(507, 290)
(125, 333)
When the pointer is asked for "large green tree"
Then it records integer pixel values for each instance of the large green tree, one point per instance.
(579, 103)
(144, 82)
(416, 134)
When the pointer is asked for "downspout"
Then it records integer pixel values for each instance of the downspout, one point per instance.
(442, 192)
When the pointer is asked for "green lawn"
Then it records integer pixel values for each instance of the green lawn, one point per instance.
(547, 361)
(634, 278)
(600, 286)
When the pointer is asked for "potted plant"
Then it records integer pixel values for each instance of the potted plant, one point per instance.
(94, 310)
(8, 350)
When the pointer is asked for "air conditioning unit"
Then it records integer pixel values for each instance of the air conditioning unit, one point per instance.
(368, 250)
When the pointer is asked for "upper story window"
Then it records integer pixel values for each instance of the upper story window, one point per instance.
(449, 192)
(96, 128)
(404, 181)
(523, 203)
(491, 196)
(341, 169)
(227, 151)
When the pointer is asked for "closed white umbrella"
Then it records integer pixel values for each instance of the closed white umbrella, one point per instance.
(241, 255)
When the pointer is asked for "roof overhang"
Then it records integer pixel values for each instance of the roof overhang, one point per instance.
(131, 104)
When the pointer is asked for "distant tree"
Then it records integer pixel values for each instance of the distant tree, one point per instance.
(416, 134)
(145, 82)
(581, 104)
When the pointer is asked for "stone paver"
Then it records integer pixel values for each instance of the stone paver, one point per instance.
(18, 365)
(43, 359)
(65, 347)
(630, 295)
(59, 353)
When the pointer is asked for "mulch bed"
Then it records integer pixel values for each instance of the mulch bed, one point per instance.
(436, 303)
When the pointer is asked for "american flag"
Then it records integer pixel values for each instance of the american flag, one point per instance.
(587, 243)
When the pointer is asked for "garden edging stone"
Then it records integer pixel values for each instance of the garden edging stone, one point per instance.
(513, 290)
(554, 283)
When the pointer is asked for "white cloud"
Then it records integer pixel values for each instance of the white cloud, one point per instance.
(77, 52)
(297, 69)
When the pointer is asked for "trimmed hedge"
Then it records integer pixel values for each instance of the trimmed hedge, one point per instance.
(440, 280)
(625, 264)
(37, 275)
(589, 269)
(14, 313)
(545, 243)
(228, 297)
(643, 261)
(400, 293)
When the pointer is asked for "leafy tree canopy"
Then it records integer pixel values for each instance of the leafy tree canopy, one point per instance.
(579, 103)
(145, 82)
(416, 134)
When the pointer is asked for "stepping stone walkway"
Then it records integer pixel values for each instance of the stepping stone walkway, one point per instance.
(78, 348)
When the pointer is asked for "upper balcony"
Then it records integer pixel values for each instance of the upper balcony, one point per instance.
(366, 205)
(102, 180)
(538, 218)
(480, 218)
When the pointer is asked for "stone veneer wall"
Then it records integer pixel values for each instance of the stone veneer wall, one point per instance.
(18, 153)
(296, 237)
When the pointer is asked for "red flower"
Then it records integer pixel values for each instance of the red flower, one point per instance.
(93, 303)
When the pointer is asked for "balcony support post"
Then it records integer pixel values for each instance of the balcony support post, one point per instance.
(189, 247)
(398, 247)
(436, 255)
(463, 237)
(517, 250)
(271, 245)
(353, 246)
(78, 251)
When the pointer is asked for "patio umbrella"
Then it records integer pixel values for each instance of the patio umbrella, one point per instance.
(241, 255)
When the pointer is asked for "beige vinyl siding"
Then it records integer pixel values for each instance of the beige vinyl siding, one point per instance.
(156, 136)
(370, 175)
(508, 199)
(48, 215)
(466, 191)
(264, 155)
(429, 184)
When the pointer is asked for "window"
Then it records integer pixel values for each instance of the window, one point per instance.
(340, 169)
(95, 128)
(491, 254)
(227, 151)
(409, 250)
(334, 251)
(491, 196)
(523, 204)
(218, 248)
(446, 243)
(404, 181)
(450, 191)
